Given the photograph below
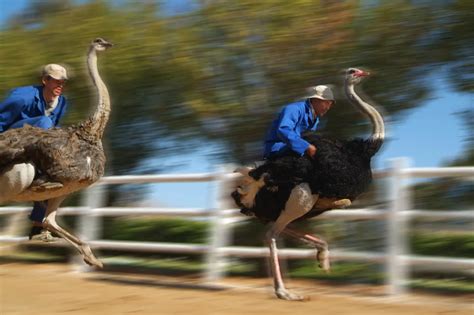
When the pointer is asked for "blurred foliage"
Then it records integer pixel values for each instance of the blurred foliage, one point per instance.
(467, 159)
(444, 194)
(156, 230)
(443, 244)
(219, 71)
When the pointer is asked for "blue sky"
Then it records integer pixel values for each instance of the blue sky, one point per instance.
(430, 135)
(9, 8)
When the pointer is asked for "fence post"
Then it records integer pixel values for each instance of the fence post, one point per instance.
(220, 233)
(397, 227)
(89, 225)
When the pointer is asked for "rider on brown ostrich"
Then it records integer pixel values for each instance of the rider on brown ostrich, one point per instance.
(338, 173)
(68, 159)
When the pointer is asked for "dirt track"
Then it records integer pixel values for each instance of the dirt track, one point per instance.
(50, 289)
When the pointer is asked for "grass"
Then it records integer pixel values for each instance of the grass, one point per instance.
(340, 272)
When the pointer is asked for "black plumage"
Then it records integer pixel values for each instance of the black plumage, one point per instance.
(340, 169)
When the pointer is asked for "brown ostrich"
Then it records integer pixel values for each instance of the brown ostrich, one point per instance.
(38, 164)
(290, 188)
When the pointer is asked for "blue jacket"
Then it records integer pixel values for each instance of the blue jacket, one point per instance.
(285, 132)
(25, 103)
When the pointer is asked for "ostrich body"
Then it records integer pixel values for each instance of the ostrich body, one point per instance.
(71, 158)
(289, 188)
(61, 154)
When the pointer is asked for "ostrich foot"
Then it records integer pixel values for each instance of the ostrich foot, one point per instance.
(332, 203)
(284, 294)
(44, 236)
(89, 257)
(41, 185)
(323, 258)
(342, 203)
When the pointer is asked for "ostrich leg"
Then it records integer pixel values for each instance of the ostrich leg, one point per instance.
(51, 224)
(299, 203)
(321, 246)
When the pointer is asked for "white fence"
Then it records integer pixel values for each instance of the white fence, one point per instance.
(397, 216)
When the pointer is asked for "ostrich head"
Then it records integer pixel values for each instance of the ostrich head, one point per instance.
(100, 44)
(355, 76)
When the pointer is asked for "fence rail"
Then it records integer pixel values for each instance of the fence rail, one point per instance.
(397, 214)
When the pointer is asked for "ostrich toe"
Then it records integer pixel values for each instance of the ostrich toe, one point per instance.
(286, 295)
(342, 203)
(323, 258)
(39, 185)
(89, 257)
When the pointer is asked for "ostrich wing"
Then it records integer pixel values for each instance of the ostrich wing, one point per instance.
(9, 156)
(58, 153)
(15, 145)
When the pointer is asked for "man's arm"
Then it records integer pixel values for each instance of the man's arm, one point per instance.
(289, 118)
(10, 110)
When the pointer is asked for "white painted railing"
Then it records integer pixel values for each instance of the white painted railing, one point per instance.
(397, 215)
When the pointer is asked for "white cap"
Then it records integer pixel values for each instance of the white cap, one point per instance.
(55, 71)
(323, 92)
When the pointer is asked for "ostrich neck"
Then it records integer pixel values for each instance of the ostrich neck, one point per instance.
(97, 122)
(378, 128)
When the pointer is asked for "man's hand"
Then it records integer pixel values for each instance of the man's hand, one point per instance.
(311, 151)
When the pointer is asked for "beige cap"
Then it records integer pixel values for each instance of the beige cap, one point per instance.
(322, 92)
(55, 71)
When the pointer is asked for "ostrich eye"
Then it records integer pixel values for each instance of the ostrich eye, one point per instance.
(351, 71)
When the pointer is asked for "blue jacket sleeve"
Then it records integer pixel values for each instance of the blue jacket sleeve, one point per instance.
(288, 132)
(10, 110)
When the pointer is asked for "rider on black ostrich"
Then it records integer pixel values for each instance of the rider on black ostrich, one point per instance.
(306, 174)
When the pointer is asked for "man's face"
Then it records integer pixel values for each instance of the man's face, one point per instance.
(321, 107)
(53, 86)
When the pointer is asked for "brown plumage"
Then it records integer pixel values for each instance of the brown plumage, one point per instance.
(61, 155)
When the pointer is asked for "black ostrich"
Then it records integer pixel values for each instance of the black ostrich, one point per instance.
(291, 187)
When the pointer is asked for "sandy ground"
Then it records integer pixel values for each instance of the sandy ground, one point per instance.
(50, 289)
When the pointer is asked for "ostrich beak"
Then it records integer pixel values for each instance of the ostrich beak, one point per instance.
(361, 73)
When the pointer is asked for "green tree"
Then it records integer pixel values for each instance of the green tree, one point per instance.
(219, 72)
